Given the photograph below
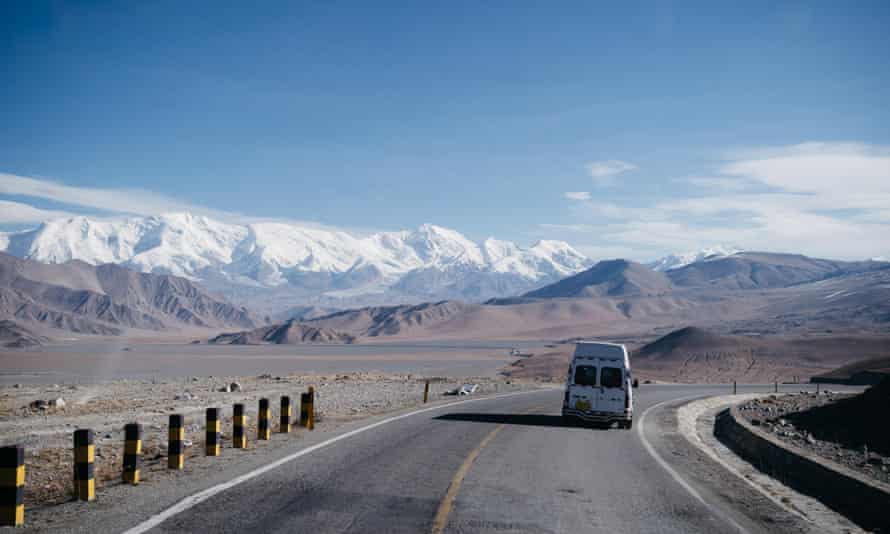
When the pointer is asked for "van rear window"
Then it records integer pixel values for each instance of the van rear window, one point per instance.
(610, 377)
(585, 375)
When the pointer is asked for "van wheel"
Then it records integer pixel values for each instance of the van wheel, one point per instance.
(628, 424)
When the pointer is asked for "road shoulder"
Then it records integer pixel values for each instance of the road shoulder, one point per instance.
(723, 490)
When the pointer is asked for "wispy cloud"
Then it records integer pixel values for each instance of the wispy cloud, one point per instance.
(717, 182)
(823, 199)
(604, 172)
(110, 202)
(577, 195)
(12, 213)
(132, 201)
(568, 227)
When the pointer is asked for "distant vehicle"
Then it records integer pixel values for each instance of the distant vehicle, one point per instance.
(598, 388)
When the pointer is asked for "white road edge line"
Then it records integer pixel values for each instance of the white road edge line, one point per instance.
(201, 496)
(671, 471)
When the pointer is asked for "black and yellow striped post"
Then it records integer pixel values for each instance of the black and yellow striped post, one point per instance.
(211, 438)
(285, 414)
(426, 391)
(239, 421)
(132, 452)
(176, 435)
(263, 431)
(307, 409)
(12, 486)
(84, 471)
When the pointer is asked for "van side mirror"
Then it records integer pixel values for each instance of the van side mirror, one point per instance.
(636, 383)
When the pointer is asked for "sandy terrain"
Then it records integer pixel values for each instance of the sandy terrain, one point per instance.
(91, 360)
(107, 407)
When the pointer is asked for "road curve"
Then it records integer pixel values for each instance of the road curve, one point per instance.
(516, 467)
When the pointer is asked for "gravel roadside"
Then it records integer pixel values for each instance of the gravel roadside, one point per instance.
(780, 415)
(34, 417)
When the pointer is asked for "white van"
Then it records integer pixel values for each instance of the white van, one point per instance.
(598, 388)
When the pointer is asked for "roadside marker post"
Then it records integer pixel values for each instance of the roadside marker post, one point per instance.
(263, 431)
(285, 414)
(84, 469)
(426, 391)
(12, 486)
(239, 420)
(733, 387)
(211, 440)
(307, 409)
(776, 386)
(176, 435)
(817, 388)
(132, 452)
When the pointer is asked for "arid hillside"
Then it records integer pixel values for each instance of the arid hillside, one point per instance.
(106, 300)
(693, 354)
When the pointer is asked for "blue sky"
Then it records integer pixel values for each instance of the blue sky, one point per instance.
(631, 129)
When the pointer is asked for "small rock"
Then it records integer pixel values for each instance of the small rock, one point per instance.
(57, 403)
(755, 422)
(17, 386)
(265, 376)
(107, 436)
(810, 439)
(38, 404)
(225, 389)
(184, 396)
(234, 386)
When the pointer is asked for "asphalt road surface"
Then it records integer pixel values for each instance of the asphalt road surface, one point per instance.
(498, 465)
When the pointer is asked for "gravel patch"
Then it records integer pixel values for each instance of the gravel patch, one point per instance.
(784, 417)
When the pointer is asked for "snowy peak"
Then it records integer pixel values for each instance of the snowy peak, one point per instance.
(316, 262)
(675, 261)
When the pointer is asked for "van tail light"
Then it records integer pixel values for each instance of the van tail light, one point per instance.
(627, 400)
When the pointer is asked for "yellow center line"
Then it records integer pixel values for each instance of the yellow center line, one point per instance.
(441, 519)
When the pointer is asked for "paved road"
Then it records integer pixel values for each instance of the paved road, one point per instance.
(509, 464)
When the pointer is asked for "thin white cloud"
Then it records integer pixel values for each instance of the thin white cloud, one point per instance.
(717, 182)
(568, 227)
(818, 168)
(132, 201)
(577, 195)
(17, 213)
(114, 201)
(821, 199)
(604, 172)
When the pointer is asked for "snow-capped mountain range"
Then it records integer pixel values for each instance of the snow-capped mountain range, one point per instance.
(312, 264)
(675, 261)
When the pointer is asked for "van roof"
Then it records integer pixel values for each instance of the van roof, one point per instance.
(585, 342)
(586, 350)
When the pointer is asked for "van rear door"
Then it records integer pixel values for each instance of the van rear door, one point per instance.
(583, 390)
(612, 388)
